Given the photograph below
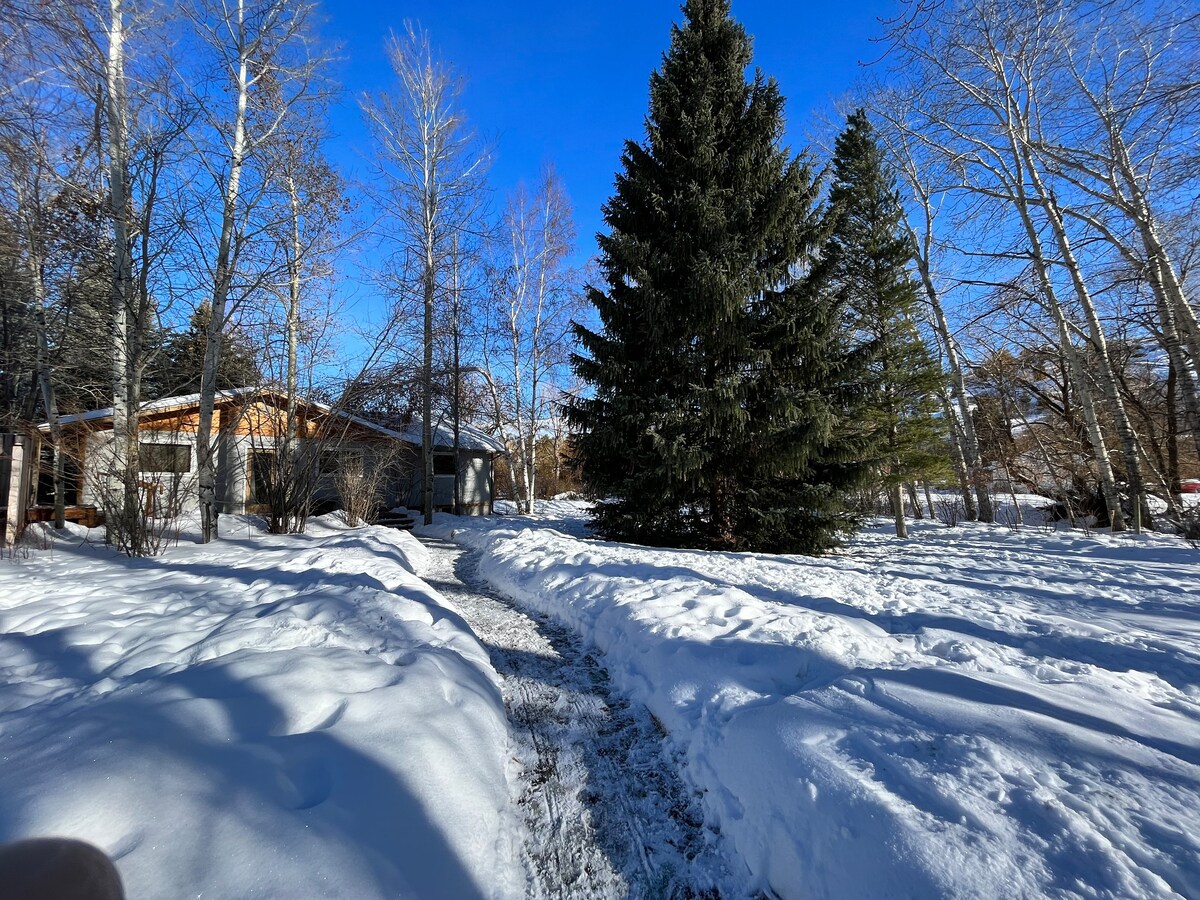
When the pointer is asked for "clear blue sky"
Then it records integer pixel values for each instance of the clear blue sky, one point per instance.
(565, 80)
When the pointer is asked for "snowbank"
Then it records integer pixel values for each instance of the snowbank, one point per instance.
(265, 716)
(977, 712)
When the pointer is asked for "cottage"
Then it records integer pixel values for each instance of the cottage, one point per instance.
(248, 429)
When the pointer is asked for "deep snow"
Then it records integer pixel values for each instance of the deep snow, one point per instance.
(260, 717)
(977, 712)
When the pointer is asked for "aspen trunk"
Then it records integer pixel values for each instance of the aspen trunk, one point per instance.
(427, 377)
(122, 479)
(1162, 268)
(1108, 482)
(1106, 374)
(956, 458)
(222, 279)
(456, 300)
(897, 500)
(958, 387)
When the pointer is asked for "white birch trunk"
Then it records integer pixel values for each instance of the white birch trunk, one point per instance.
(222, 279)
(1107, 376)
(966, 436)
(122, 478)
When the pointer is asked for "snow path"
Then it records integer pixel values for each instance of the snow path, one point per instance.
(605, 811)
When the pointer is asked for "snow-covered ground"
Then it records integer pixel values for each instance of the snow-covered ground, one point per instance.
(976, 712)
(607, 815)
(261, 717)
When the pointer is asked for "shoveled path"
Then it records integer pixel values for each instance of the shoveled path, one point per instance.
(606, 814)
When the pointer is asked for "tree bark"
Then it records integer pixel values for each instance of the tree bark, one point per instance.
(1108, 482)
(1107, 376)
(958, 387)
(122, 482)
(897, 501)
(222, 280)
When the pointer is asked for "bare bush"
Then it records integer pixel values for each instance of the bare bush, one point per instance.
(950, 511)
(150, 524)
(29, 541)
(361, 481)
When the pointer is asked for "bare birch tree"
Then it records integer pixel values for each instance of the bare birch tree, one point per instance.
(430, 168)
(271, 63)
(536, 293)
(916, 166)
(982, 60)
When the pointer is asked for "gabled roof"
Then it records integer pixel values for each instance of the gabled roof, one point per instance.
(443, 436)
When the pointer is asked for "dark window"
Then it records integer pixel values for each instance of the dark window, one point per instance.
(262, 477)
(165, 457)
(45, 486)
(443, 464)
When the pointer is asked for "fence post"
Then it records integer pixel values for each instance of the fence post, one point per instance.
(15, 449)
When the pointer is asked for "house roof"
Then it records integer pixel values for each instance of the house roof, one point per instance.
(443, 435)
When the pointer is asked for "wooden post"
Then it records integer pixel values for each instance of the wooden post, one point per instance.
(16, 490)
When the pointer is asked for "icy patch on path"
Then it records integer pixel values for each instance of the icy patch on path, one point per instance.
(606, 813)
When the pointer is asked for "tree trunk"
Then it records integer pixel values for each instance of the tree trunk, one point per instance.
(122, 480)
(1106, 374)
(897, 501)
(429, 287)
(969, 441)
(456, 374)
(1174, 488)
(912, 498)
(1108, 482)
(293, 495)
(222, 280)
(956, 456)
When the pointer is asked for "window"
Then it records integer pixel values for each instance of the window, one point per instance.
(71, 478)
(443, 464)
(165, 457)
(261, 477)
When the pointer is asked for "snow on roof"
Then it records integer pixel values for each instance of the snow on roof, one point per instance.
(469, 438)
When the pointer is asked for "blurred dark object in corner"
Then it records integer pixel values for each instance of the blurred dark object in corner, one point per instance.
(57, 869)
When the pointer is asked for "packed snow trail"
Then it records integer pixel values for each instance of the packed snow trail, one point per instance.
(606, 813)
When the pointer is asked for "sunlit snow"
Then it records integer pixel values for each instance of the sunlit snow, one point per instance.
(979, 711)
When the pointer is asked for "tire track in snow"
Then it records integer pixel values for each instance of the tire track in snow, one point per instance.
(605, 811)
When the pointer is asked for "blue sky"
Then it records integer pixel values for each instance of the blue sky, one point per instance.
(566, 82)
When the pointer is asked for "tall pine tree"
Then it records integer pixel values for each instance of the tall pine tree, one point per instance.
(709, 423)
(868, 256)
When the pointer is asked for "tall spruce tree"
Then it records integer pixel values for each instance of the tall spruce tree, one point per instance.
(868, 256)
(709, 423)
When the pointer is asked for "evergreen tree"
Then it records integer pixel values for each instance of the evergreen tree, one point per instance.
(716, 382)
(184, 358)
(867, 256)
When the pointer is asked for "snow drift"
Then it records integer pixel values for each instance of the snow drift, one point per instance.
(978, 712)
(266, 716)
